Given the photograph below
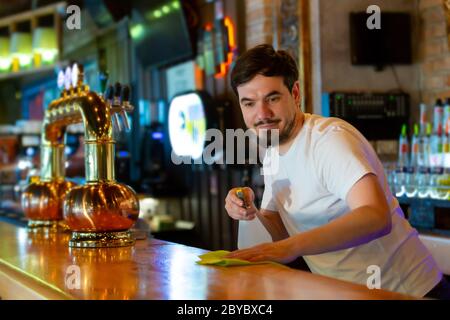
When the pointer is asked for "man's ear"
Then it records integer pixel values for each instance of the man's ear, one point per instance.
(296, 92)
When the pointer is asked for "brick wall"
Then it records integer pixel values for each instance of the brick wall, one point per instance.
(259, 22)
(435, 54)
(338, 73)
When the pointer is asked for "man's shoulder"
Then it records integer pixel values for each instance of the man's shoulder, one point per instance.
(323, 128)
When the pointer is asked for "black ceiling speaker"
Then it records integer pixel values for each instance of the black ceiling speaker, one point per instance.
(106, 12)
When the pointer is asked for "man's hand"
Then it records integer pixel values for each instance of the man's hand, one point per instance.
(236, 208)
(280, 251)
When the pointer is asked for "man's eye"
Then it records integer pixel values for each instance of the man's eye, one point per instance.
(248, 104)
(274, 99)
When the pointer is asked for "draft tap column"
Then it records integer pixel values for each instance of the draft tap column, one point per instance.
(42, 200)
(101, 212)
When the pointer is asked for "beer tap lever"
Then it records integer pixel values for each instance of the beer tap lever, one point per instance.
(117, 91)
(116, 104)
(109, 94)
(126, 106)
(125, 94)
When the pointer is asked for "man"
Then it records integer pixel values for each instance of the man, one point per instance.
(329, 201)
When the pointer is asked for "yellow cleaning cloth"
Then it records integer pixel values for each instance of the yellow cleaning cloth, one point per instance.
(217, 258)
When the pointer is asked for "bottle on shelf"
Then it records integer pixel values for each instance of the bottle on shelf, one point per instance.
(423, 119)
(438, 115)
(402, 163)
(411, 181)
(445, 180)
(436, 152)
(446, 116)
(423, 172)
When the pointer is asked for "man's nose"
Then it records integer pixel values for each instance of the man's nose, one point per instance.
(264, 111)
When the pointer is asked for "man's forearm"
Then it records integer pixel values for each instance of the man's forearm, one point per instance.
(273, 224)
(359, 226)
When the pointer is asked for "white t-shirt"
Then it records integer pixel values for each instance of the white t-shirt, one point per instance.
(309, 190)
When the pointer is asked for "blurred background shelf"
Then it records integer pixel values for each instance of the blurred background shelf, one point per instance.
(42, 71)
(424, 201)
(427, 215)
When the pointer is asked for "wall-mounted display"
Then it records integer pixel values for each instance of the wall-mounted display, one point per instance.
(187, 125)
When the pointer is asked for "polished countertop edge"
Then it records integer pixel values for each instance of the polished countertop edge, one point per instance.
(159, 270)
(21, 285)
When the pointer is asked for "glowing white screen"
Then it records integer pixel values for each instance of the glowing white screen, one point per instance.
(187, 125)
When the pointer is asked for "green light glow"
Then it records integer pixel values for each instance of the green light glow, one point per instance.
(49, 55)
(157, 14)
(166, 9)
(137, 31)
(175, 5)
(5, 63)
(24, 59)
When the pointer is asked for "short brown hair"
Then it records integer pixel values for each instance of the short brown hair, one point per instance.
(264, 60)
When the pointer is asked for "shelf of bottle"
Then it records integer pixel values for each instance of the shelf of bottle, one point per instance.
(428, 188)
(434, 200)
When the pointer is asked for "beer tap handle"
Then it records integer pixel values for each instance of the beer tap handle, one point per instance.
(109, 97)
(125, 94)
(126, 106)
(109, 94)
(125, 98)
(117, 104)
(117, 91)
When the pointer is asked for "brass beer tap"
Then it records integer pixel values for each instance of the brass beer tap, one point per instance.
(42, 200)
(101, 212)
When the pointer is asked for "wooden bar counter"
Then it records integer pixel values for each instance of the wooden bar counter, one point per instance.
(38, 266)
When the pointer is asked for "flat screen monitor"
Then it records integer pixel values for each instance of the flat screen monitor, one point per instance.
(159, 32)
(389, 45)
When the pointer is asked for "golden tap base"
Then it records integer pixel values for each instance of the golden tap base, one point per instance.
(101, 239)
(47, 225)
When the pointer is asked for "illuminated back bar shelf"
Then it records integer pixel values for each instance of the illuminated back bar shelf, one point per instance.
(35, 49)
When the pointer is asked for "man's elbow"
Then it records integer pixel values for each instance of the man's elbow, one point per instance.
(386, 229)
(385, 225)
(381, 220)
